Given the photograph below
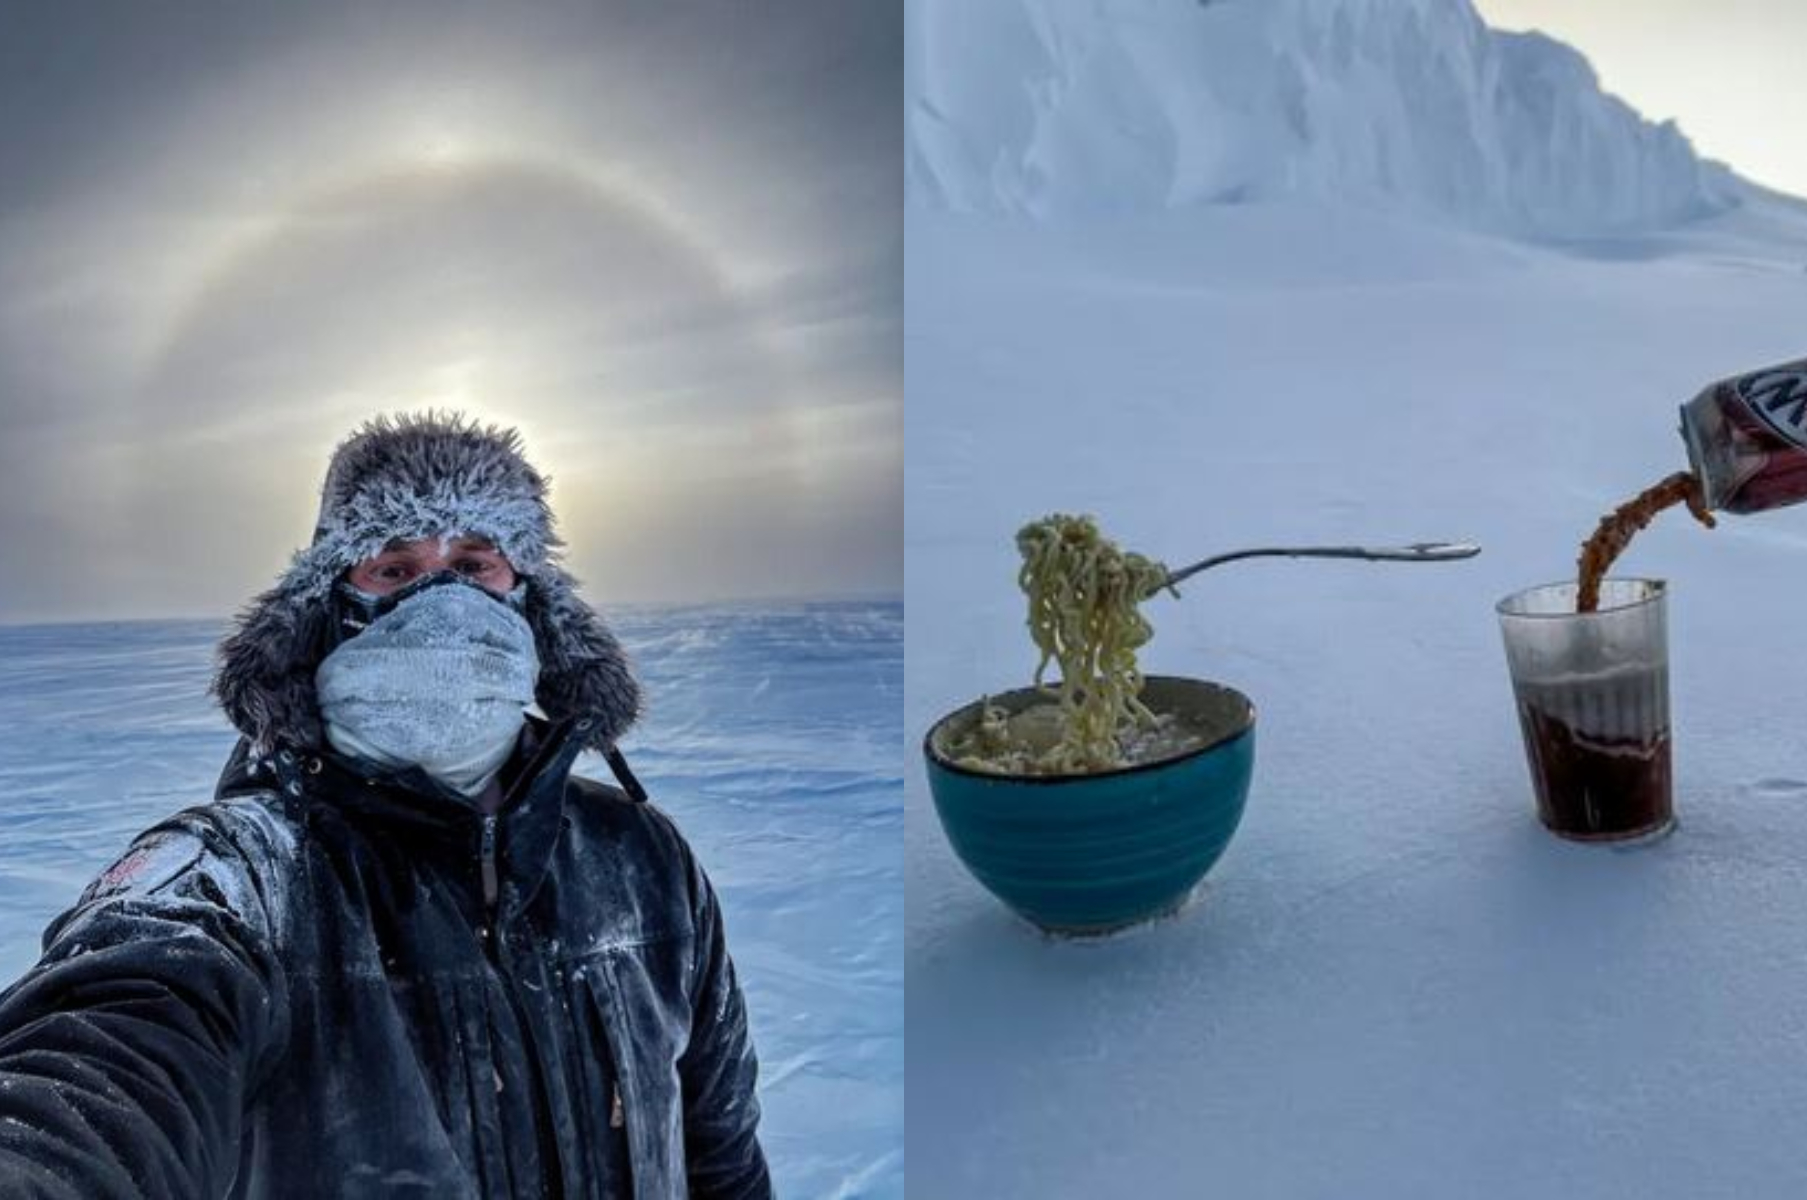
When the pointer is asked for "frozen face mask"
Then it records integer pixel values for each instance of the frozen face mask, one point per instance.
(437, 677)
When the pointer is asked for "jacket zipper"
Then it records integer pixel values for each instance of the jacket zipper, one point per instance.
(486, 867)
(486, 860)
(618, 1041)
(490, 888)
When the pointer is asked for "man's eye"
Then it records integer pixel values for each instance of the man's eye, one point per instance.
(475, 566)
(392, 573)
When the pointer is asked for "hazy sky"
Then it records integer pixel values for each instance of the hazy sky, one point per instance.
(1727, 71)
(663, 239)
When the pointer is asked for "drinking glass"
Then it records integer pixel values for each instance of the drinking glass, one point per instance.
(1593, 702)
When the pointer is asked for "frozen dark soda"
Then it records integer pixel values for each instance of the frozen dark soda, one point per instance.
(1598, 750)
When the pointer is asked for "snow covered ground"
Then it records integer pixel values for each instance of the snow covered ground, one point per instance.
(772, 739)
(1395, 983)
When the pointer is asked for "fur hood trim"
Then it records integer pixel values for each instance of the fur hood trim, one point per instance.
(411, 477)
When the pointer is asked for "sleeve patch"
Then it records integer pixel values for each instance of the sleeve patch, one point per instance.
(150, 864)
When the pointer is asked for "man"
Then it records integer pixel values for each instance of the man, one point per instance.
(404, 952)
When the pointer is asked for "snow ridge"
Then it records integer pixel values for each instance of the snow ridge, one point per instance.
(1060, 108)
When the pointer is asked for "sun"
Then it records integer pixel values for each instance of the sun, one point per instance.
(443, 148)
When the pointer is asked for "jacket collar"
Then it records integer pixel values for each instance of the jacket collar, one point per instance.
(432, 818)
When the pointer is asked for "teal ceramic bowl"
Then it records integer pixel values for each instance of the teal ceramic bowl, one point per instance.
(1088, 854)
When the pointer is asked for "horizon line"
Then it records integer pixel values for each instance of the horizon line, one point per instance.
(848, 597)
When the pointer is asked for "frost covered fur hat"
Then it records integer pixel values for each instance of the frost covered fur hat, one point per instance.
(410, 477)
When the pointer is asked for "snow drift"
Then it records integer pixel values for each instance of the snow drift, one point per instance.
(1057, 108)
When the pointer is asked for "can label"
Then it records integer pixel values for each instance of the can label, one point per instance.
(1778, 398)
(1747, 439)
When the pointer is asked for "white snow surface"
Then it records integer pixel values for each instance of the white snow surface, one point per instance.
(1064, 108)
(771, 738)
(1395, 983)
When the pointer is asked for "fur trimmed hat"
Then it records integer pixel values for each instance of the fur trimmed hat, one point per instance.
(410, 477)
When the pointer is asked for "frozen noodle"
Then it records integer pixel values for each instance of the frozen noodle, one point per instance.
(1083, 595)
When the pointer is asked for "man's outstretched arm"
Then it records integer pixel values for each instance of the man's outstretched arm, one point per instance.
(127, 1053)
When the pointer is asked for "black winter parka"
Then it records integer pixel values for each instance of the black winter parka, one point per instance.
(339, 982)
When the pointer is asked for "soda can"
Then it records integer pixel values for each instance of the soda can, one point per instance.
(1747, 439)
